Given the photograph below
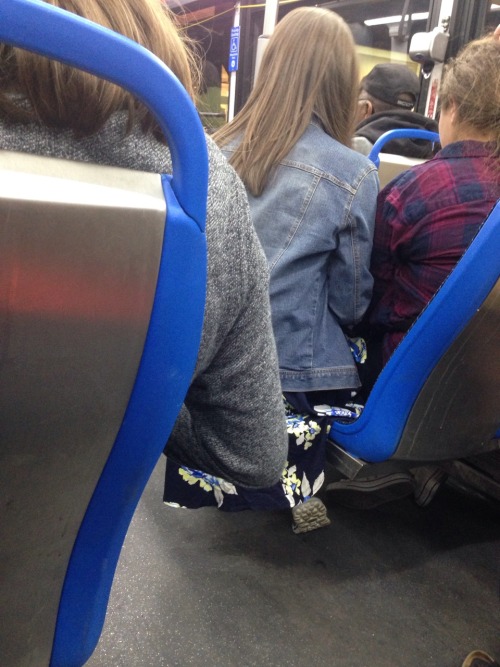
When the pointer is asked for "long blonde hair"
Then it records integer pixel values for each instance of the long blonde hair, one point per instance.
(34, 88)
(471, 83)
(309, 68)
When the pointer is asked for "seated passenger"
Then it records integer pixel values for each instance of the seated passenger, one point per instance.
(51, 109)
(312, 201)
(387, 97)
(426, 218)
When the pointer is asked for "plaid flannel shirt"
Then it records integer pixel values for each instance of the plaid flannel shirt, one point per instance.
(426, 218)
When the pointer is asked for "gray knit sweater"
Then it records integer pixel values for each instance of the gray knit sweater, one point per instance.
(232, 423)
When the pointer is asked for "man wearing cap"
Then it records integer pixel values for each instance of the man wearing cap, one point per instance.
(387, 97)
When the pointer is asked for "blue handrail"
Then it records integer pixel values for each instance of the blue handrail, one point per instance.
(399, 134)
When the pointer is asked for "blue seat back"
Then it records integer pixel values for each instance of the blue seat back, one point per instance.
(153, 294)
(438, 396)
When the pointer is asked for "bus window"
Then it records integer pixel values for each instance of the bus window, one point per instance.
(492, 18)
(382, 29)
(383, 37)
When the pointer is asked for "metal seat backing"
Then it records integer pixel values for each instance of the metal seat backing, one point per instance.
(102, 291)
(76, 295)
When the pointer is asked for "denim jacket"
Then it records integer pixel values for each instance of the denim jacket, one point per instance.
(315, 220)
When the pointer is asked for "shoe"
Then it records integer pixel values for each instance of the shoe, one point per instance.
(428, 480)
(479, 659)
(309, 515)
(372, 491)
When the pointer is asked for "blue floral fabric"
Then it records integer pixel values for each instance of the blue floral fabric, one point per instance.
(302, 477)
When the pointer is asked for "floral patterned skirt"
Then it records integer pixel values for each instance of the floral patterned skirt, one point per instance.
(308, 424)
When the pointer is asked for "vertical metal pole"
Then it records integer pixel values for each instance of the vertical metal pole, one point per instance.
(270, 18)
(431, 105)
(232, 76)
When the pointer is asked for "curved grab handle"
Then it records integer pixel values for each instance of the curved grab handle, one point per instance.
(66, 38)
(399, 134)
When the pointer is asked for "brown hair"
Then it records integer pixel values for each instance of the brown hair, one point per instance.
(34, 88)
(310, 67)
(471, 83)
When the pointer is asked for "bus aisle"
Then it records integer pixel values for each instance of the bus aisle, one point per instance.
(398, 586)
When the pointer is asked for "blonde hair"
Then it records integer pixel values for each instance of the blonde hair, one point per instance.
(309, 68)
(471, 83)
(34, 88)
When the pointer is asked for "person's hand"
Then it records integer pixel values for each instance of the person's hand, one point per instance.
(496, 33)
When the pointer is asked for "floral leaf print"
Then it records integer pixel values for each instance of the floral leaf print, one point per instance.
(356, 408)
(219, 496)
(306, 487)
(218, 486)
(226, 487)
(358, 349)
(303, 428)
(318, 483)
(296, 426)
(291, 484)
(192, 476)
(306, 490)
(313, 429)
(223, 488)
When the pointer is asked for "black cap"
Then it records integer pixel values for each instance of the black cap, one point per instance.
(387, 82)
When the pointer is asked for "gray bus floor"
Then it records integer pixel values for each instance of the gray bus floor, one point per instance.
(396, 586)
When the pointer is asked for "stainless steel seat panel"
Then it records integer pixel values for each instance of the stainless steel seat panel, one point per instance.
(80, 250)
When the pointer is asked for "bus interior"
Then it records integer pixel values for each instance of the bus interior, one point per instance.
(397, 585)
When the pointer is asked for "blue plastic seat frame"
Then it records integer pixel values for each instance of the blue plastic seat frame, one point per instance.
(375, 435)
(174, 333)
(399, 134)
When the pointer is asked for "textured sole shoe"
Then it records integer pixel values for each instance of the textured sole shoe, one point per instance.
(372, 491)
(309, 516)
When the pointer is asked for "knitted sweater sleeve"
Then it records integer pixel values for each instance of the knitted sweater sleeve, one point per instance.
(232, 424)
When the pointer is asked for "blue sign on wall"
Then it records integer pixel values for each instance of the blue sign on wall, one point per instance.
(234, 48)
